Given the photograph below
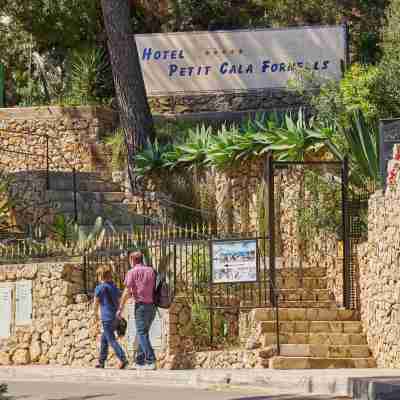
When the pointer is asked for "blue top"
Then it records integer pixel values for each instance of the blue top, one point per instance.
(108, 309)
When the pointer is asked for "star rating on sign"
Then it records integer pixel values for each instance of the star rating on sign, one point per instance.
(224, 51)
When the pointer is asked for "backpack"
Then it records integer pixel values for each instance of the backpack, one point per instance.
(162, 292)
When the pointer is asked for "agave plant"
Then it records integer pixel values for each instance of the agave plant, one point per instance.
(223, 148)
(362, 147)
(152, 158)
(194, 151)
(293, 138)
(72, 238)
(363, 143)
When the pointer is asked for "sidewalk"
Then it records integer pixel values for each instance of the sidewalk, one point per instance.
(328, 381)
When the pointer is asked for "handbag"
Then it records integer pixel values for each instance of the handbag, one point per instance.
(120, 325)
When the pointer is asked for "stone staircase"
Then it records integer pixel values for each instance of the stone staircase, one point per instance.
(313, 331)
(95, 197)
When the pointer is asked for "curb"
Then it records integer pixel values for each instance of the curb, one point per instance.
(339, 382)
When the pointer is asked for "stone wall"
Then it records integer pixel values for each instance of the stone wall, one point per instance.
(252, 101)
(379, 275)
(63, 329)
(73, 134)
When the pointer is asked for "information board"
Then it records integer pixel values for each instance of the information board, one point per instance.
(23, 302)
(389, 135)
(5, 310)
(234, 261)
(238, 60)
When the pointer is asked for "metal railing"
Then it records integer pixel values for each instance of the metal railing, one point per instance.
(50, 163)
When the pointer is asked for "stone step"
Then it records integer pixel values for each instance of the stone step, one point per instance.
(304, 294)
(325, 351)
(345, 339)
(68, 196)
(312, 327)
(300, 304)
(305, 314)
(320, 363)
(305, 283)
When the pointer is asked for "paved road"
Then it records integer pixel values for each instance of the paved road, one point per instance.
(79, 391)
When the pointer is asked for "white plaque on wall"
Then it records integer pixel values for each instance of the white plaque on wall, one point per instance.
(23, 302)
(5, 310)
(131, 328)
(156, 330)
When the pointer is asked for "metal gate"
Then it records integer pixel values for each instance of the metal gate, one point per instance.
(309, 231)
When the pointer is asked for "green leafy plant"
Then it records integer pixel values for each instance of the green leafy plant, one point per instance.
(89, 77)
(193, 152)
(119, 151)
(62, 229)
(363, 149)
(152, 158)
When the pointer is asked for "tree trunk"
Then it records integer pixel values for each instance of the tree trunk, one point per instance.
(135, 115)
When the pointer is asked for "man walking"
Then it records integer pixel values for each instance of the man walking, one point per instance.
(140, 284)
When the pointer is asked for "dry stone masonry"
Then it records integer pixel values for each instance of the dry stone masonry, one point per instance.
(380, 272)
(73, 135)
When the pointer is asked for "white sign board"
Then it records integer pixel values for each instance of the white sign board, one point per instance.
(5, 310)
(234, 261)
(23, 302)
(237, 60)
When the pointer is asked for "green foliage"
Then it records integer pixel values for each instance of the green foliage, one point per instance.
(152, 159)
(56, 23)
(357, 90)
(363, 141)
(323, 211)
(387, 87)
(62, 229)
(119, 152)
(193, 151)
(200, 269)
(90, 77)
(73, 238)
(290, 136)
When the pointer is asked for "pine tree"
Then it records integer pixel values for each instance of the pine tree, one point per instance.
(135, 115)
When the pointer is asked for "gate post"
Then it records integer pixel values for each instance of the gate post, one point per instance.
(347, 290)
(271, 224)
(273, 292)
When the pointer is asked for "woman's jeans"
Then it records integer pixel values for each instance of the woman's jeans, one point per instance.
(144, 316)
(108, 338)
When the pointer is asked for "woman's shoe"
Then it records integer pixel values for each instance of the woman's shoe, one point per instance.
(99, 365)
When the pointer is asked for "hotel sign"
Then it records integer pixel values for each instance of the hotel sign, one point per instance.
(242, 60)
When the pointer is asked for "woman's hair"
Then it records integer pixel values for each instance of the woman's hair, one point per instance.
(136, 257)
(104, 273)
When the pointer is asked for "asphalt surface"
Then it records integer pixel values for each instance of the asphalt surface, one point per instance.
(71, 391)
